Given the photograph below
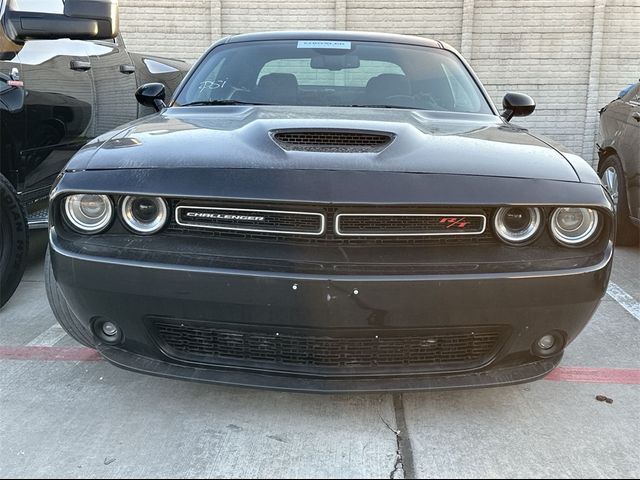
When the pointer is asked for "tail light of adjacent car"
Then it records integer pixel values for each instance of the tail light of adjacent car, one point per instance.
(88, 213)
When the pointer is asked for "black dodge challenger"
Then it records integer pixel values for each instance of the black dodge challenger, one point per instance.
(328, 211)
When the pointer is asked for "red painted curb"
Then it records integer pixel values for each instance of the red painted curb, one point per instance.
(624, 376)
(65, 354)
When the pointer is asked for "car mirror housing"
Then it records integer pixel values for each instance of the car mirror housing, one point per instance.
(152, 95)
(517, 105)
(81, 20)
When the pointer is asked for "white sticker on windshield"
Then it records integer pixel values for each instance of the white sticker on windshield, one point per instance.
(324, 44)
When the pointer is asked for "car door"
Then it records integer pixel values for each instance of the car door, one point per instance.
(58, 105)
(59, 101)
(12, 118)
(629, 149)
(115, 85)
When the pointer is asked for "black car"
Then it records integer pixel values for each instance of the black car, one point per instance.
(55, 95)
(619, 165)
(329, 211)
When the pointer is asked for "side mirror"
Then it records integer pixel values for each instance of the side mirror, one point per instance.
(152, 95)
(80, 20)
(517, 105)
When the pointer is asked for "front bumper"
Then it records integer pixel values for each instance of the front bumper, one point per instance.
(492, 377)
(524, 305)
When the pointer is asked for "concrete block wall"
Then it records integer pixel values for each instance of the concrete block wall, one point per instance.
(572, 56)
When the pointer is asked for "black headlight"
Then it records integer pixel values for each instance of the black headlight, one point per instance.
(88, 212)
(517, 225)
(144, 215)
(574, 226)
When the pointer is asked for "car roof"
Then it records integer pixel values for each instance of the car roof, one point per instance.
(335, 35)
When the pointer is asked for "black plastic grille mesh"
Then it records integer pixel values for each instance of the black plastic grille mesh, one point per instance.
(332, 140)
(464, 347)
(246, 219)
(407, 225)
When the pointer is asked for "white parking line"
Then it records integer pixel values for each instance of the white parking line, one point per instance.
(624, 299)
(49, 337)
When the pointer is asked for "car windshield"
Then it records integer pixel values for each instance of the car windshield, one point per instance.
(333, 73)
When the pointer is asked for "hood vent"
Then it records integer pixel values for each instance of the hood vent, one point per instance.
(349, 141)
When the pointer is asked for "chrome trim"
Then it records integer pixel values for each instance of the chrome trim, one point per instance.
(38, 219)
(425, 234)
(249, 229)
(38, 224)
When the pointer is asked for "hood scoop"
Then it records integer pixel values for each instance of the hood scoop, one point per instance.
(346, 141)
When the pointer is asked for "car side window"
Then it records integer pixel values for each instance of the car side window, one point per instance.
(633, 95)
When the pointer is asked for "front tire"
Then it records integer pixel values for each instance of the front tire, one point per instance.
(612, 177)
(66, 318)
(14, 240)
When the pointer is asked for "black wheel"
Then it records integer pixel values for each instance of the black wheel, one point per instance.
(612, 177)
(14, 240)
(66, 318)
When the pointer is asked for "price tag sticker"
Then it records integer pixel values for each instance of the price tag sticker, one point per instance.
(328, 44)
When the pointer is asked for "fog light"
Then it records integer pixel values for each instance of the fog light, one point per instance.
(109, 329)
(548, 345)
(546, 342)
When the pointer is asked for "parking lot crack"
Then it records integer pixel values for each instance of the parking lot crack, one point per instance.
(403, 466)
(398, 469)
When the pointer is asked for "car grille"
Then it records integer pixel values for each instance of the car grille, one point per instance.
(250, 220)
(409, 224)
(332, 141)
(371, 225)
(329, 351)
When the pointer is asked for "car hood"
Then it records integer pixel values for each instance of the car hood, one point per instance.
(241, 137)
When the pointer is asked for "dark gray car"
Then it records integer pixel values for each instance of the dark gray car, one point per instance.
(619, 166)
(329, 211)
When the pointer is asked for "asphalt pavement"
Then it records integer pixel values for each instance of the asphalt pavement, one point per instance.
(66, 413)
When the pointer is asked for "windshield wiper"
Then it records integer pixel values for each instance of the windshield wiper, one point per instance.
(221, 102)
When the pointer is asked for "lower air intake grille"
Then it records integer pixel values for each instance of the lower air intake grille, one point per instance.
(424, 350)
(332, 141)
